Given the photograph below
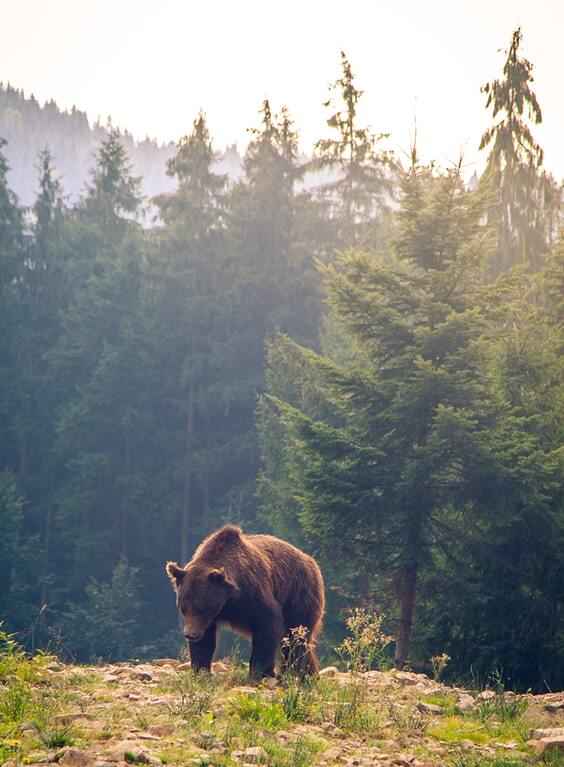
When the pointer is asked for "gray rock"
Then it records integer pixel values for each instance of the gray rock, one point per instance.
(73, 716)
(466, 743)
(486, 695)
(331, 729)
(379, 678)
(255, 755)
(75, 757)
(142, 673)
(548, 732)
(547, 745)
(465, 704)
(38, 757)
(28, 727)
(129, 751)
(429, 708)
(329, 672)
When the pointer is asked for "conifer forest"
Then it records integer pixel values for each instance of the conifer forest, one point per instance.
(351, 350)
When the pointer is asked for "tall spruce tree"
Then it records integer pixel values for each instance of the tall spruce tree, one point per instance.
(271, 228)
(15, 600)
(12, 264)
(188, 277)
(272, 231)
(45, 294)
(527, 209)
(402, 431)
(498, 583)
(100, 364)
(361, 185)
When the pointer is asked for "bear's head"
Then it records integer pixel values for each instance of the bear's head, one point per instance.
(201, 593)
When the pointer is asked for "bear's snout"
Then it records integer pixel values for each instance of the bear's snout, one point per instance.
(194, 631)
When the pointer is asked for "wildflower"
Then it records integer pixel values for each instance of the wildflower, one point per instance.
(364, 647)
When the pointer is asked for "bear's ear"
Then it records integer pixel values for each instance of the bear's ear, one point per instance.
(217, 575)
(175, 573)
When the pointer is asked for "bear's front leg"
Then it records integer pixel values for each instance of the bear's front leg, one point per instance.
(266, 644)
(201, 652)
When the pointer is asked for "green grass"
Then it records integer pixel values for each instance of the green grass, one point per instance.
(300, 754)
(16, 701)
(132, 759)
(252, 707)
(454, 729)
(300, 698)
(446, 702)
(552, 758)
(57, 738)
(24, 697)
(505, 709)
(196, 694)
(240, 734)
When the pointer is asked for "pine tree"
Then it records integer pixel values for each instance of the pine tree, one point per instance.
(187, 274)
(362, 185)
(401, 433)
(45, 295)
(12, 257)
(272, 232)
(101, 365)
(272, 228)
(113, 192)
(499, 580)
(107, 623)
(528, 206)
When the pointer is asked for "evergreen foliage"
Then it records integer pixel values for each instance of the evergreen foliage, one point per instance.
(169, 365)
(528, 200)
(415, 451)
(361, 188)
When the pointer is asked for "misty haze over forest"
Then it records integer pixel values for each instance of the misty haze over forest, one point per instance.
(356, 351)
(30, 127)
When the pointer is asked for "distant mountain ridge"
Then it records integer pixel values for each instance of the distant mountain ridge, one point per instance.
(30, 127)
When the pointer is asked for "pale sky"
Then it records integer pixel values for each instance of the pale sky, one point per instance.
(151, 65)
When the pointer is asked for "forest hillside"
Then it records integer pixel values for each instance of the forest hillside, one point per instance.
(368, 366)
(30, 127)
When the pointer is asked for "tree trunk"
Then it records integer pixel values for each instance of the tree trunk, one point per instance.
(363, 588)
(46, 551)
(187, 500)
(125, 499)
(407, 604)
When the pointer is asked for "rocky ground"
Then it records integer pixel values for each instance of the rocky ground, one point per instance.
(160, 713)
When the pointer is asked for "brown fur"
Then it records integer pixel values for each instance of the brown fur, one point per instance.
(258, 585)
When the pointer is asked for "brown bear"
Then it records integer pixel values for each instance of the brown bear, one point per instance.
(258, 585)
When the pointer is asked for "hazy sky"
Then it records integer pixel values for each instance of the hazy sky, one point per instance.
(151, 64)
